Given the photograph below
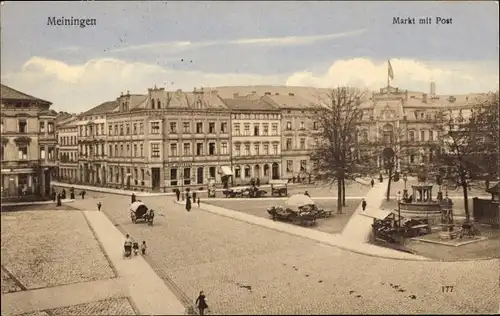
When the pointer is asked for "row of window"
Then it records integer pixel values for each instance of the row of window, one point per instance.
(155, 128)
(256, 150)
(22, 126)
(256, 129)
(289, 144)
(302, 126)
(253, 116)
(68, 141)
(23, 153)
(289, 166)
(91, 130)
(431, 136)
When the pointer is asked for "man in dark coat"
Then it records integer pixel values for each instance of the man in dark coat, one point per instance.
(380, 178)
(54, 195)
(177, 194)
(194, 196)
(372, 182)
(188, 203)
(63, 194)
(58, 200)
(257, 183)
(363, 205)
(72, 193)
(133, 197)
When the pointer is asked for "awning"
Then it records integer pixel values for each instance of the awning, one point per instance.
(376, 213)
(226, 171)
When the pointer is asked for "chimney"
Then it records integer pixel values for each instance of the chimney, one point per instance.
(433, 88)
(235, 95)
(424, 97)
(291, 94)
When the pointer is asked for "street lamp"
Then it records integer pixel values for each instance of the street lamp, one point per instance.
(399, 208)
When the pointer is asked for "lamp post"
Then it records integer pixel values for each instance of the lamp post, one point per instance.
(399, 209)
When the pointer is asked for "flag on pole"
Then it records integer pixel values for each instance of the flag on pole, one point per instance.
(391, 72)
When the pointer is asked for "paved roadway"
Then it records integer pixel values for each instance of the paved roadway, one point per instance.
(292, 275)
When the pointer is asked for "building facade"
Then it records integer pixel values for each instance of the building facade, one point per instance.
(67, 150)
(255, 140)
(297, 130)
(29, 159)
(163, 140)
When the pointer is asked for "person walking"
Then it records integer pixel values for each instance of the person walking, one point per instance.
(363, 205)
(380, 178)
(72, 193)
(194, 196)
(177, 194)
(58, 200)
(133, 198)
(188, 203)
(144, 247)
(198, 202)
(372, 182)
(99, 205)
(307, 193)
(201, 303)
(54, 194)
(128, 245)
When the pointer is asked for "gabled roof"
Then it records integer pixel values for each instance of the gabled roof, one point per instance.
(252, 105)
(494, 189)
(12, 94)
(102, 108)
(135, 101)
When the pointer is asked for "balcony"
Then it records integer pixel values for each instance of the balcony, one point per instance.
(47, 138)
(48, 162)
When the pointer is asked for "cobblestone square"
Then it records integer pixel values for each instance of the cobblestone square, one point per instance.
(48, 248)
(248, 269)
(114, 306)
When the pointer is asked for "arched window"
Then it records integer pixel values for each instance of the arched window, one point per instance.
(158, 104)
(247, 171)
(153, 104)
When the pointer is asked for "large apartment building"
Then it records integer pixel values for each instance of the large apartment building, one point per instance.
(29, 143)
(255, 141)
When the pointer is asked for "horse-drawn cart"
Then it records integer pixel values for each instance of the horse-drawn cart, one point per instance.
(299, 209)
(279, 187)
(139, 211)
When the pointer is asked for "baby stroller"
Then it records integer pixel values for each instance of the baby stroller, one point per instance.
(128, 249)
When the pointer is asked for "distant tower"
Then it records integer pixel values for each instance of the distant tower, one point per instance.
(433, 89)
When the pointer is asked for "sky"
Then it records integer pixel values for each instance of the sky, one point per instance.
(182, 45)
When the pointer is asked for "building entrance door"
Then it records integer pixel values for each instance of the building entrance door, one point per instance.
(199, 175)
(155, 178)
(275, 171)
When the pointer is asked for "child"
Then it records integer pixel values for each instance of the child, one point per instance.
(136, 248)
(198, 201)
(143, 247)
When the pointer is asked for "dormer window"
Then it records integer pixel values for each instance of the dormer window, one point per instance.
(153, 104)
(198, 104)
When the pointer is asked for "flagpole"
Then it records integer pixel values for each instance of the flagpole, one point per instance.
(388, 77)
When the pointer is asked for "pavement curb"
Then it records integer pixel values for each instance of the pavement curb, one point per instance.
(417, 258)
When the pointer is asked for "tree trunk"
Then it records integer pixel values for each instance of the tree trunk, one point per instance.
(339, 196)
(389, 181)
(343, 193)
(466, 199)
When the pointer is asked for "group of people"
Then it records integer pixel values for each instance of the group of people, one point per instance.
(130, 245)
(58, 197)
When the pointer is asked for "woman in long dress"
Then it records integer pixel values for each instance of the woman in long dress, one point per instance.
(201, 303)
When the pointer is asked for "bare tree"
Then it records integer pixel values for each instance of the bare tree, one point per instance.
(337, 114)
(468, 145)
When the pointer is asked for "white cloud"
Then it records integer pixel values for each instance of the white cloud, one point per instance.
(451, 78)
(78, 87)
(176, 47)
